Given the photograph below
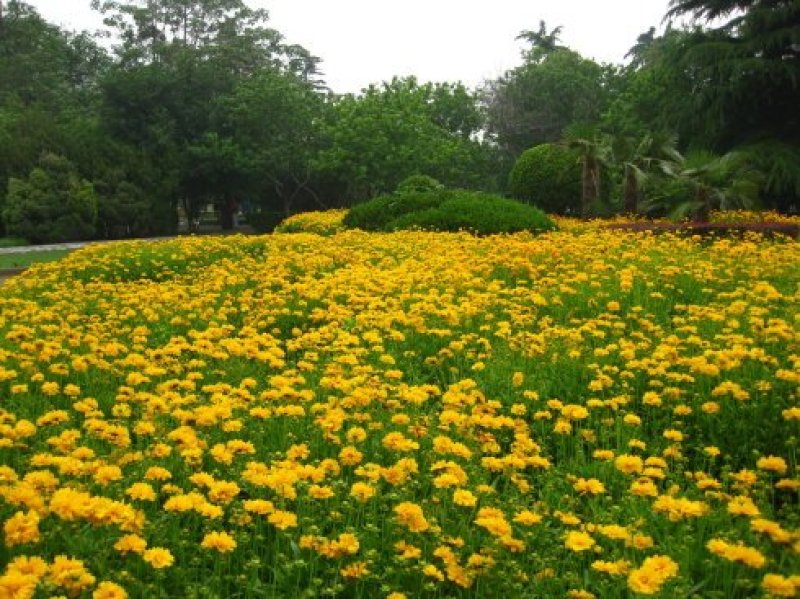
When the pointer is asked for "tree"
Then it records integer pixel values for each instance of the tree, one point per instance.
(52, 204)
(594, 152)
(178, 62)
(639, 159)
(724, 182)
(375, 140)
(534, 103)
(272, 121)
(746, 70)
(543, 42)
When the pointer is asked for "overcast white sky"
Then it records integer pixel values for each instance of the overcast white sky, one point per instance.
(368, 41)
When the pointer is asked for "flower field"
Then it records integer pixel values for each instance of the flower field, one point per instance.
(586, 413)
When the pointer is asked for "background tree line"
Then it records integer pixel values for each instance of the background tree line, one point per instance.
(200, 101)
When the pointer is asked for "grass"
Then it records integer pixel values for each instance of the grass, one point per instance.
(10, 242)
(25, 259)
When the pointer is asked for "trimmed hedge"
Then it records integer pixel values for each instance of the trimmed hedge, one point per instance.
(549, 176)
(448, 210)
(376, 214)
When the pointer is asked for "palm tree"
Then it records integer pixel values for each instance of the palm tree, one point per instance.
(638, 53)
(725, 182)
(639, 159)
(594, 151)
(543, 43)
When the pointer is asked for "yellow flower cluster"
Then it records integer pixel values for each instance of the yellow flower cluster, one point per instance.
(327, 222)
(585, 413)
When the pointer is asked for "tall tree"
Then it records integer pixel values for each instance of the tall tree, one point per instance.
(746, 70)
(594, 151)
(177, 60)
(403, 128)
(542, 42)
(533, 103)
(640, 159)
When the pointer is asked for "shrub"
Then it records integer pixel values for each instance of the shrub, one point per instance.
(480, 213)
(418, 183)
(548, 176)
(52, 204)
(264, 221)
(376, 214)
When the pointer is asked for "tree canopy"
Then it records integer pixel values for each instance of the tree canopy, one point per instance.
(202, 102)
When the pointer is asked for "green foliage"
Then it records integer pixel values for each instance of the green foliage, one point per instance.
(402, 128)
(377, 214)
(549, 176)
(535, 102)
(702, 182)
(416, 183)
(480, 213)
(447, 210)
(264, 221)
(52, 205)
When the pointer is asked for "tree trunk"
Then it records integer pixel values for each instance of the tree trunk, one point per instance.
(227, 210)
(630, 192)
(589, 185)
(703, 214)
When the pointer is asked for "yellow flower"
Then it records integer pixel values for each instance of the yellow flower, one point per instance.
(629, 464)
(22, 528)
(743, 506)
(282, 520)
(464, 498)
(16, 585)
(70, 574)
(219, 541)
(350, 456)
(29, 566)
(355, 570)
(362, 491)
(578, 541)
(141, 491)
(494, 521)
(527, 518)
(614, 568)
(131, 543)
(411, 516)
(644, 582)
(319, 492)
(590, 486)
(772, 464)
(158, 557)
(778, 585)
(737, 553)
(109, 590)
(517, 379)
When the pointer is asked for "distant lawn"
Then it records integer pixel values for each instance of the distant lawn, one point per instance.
(10, 242)
(25, 259)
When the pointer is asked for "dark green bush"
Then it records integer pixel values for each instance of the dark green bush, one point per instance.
(480, 213)
(264, 221)
(417, 183)
(447, 210)
(665, 194)
(549, 176)
(376, 214)
(52, 204)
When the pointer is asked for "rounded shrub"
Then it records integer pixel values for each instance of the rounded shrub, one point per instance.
(418, 183)
(52, 205)
(376, 214)
(480, 213)
(548, 176)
